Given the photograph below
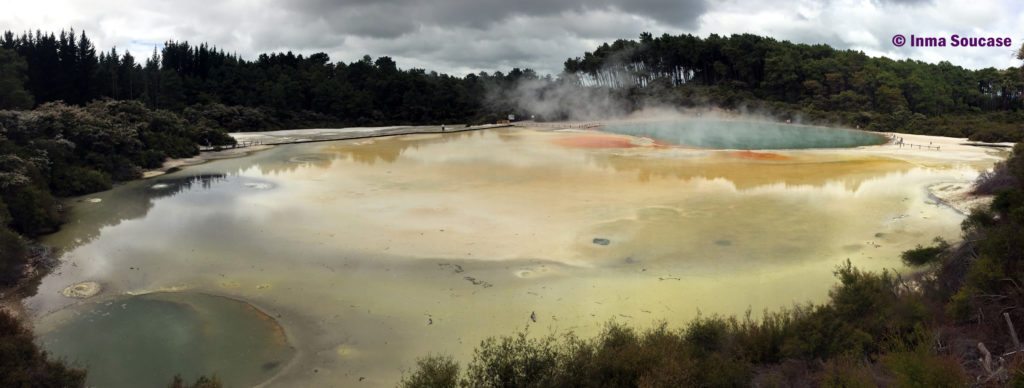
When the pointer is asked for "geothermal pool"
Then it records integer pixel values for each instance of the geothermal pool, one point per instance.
(743, 134)
(337, 263)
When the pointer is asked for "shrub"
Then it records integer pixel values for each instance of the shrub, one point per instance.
(995, 181)
(997, 135)
(843, 372)
(23, 364)
(201, 382)
(33, 211)
(925, 255)
(912, 362)
(706, 335)
(13, 256)
(517, 361)
(433, 372)
(76, 180)
(151, 159)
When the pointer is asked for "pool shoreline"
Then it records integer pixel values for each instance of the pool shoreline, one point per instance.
(353, 163)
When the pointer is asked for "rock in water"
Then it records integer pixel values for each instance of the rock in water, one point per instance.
(82, 290)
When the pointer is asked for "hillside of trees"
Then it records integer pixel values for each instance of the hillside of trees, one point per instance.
(814, 83)
(279, 90)
(811, 82)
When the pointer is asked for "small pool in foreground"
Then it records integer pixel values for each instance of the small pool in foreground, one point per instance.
(146, 340)
(745, 135)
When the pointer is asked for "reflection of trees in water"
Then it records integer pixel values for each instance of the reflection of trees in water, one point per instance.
(388, 150)
(747, 175)
(368, 151)
(178, 185)
(137, 198)
(136, 201)
(289, 165)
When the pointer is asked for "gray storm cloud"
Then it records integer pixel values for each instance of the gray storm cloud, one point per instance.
(464, 36)
(391, 18)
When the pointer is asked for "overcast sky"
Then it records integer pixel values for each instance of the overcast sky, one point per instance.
(460, 36)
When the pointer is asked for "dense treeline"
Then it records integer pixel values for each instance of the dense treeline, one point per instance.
(819, 75)
(283, 90)
(273, 91)
(875, 330)
(817, 81)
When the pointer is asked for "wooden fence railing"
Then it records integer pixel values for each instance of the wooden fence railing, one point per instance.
(898, 141)
(241, 144)
(563, 125)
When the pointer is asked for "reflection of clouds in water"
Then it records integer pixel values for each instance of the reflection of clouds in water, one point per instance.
(321, 160)
(770, 224)
(259, 185)
(135, 199)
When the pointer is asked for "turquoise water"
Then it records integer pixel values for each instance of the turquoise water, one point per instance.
(145, 340)
(745, 135)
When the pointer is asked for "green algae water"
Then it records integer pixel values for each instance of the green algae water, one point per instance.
(146, 340)
(745, 135)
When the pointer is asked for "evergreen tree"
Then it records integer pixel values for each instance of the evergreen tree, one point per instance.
(12, 81)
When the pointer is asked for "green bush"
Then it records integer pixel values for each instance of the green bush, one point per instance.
(151, 159)
(913, 363)
(201, 382)
(997, 135)
(925, 255)
(76, 180)
(706, 335)
(843, 372)
(517, 361)
(23, 364)
(433, 372)
(33, 210)
(13, 256)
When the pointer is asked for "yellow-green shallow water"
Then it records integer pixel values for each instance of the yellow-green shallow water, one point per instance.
(372, 253)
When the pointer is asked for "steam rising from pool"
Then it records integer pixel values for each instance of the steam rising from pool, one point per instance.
(746, 135)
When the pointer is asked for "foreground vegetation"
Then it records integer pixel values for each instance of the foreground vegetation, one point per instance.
(877, 329)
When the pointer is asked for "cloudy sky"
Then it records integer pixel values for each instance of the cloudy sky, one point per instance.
(460, 36)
